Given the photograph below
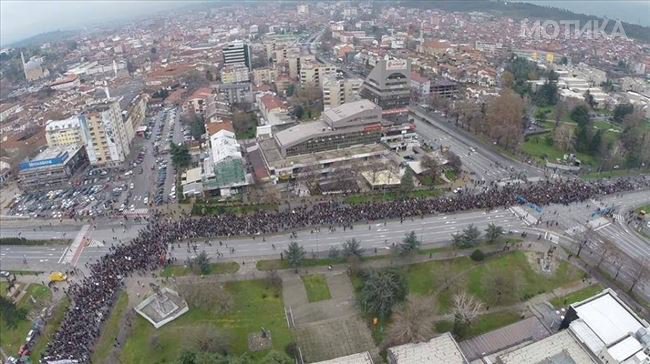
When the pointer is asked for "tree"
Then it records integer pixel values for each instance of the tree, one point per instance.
(466, 309)
(468, 238)
(412, 322)
(431, 166)
(207, 296)
(507, 79)
(580, 114)
(453, 161)
(181, 157)
(564, 138)
(201, 264)
(197, 128)
(209, 75)
(351, 248)
(406, 184)
(10, 313)
(477, 255)
(333, 253)
(206, 338)
(547, 94)
(502, 286)
(381, 291)
(621, 111)
(640, 272)
(504, 119)
(493, 232)
(410, 244)
(298, 111)
(295, 255)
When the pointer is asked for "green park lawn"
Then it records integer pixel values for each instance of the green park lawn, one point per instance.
(483, 324)
(425, 278)
(577, 296)
(537, 148)
(255, 306)
(316, 287)
(12, 338)
(364, 198)
(111, 330)
(215, 268)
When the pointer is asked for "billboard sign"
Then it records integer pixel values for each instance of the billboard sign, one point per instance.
(395, 64)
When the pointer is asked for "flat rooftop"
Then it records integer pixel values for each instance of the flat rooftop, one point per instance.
(275, 160)
(561, 348)
(359, 358)
(441, 349)
(348, 109)
(300, 132)
(607, 317)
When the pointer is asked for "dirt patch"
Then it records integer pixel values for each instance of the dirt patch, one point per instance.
(324, 340)
(542, 263)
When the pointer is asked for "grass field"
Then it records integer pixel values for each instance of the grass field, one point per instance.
(576, 296)
(390, 196)
(52, 325)
(254, 306)
(616, 173)
(537, 148)
(425, 278)
(23, 241)
(111, 330)
(12, 338)
(316, 287)
(483, 324)
(215, 268)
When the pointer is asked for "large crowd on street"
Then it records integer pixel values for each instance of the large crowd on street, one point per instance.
(93, 296)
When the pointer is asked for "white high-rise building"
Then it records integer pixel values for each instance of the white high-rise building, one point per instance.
(104, 128)
(67, 132)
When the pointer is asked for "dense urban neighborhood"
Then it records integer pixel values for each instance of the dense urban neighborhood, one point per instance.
(349, 182)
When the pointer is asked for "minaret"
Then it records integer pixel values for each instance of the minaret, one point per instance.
(22, 57)
(114, 68)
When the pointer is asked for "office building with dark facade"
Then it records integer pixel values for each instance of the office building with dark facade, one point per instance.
(54, 168)
(237, 52)
(389, 86)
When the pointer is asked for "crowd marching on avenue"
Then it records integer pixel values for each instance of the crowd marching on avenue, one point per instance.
(93, 296)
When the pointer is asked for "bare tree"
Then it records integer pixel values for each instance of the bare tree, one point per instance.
(640, 272)
(413, 322)
(466, 307)
(207, 296)
(564, 138)
(501, 286)
(504, 119)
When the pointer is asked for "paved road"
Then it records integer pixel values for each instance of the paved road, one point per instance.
(476, 157)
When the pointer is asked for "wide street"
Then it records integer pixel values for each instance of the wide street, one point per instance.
(476, 157)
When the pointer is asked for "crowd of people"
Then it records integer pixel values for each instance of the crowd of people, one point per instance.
(93, 296)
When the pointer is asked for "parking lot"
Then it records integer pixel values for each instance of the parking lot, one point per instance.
(145, 180)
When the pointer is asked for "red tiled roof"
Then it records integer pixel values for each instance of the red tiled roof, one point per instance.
(213, 128)
(202, 93)
(271, 102)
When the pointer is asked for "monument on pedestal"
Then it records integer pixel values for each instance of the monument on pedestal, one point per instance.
(163, 306)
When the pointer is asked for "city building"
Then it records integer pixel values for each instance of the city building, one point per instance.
(359, 358)
(235, 73)
(559, 348)
(264, 75)
(443, 88)
(237, 52)
(609, 329)
(440, 349)
(338, 91)
(224, 172)
(53, 168)
(295, 61)
(273, 109)
(313, 74)
(420, 85)
(33, 68)
(198, 101)
(134, 111)
(388, 85)
(234, 93)
(349, 124)
(105, 131)
(67, 132)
